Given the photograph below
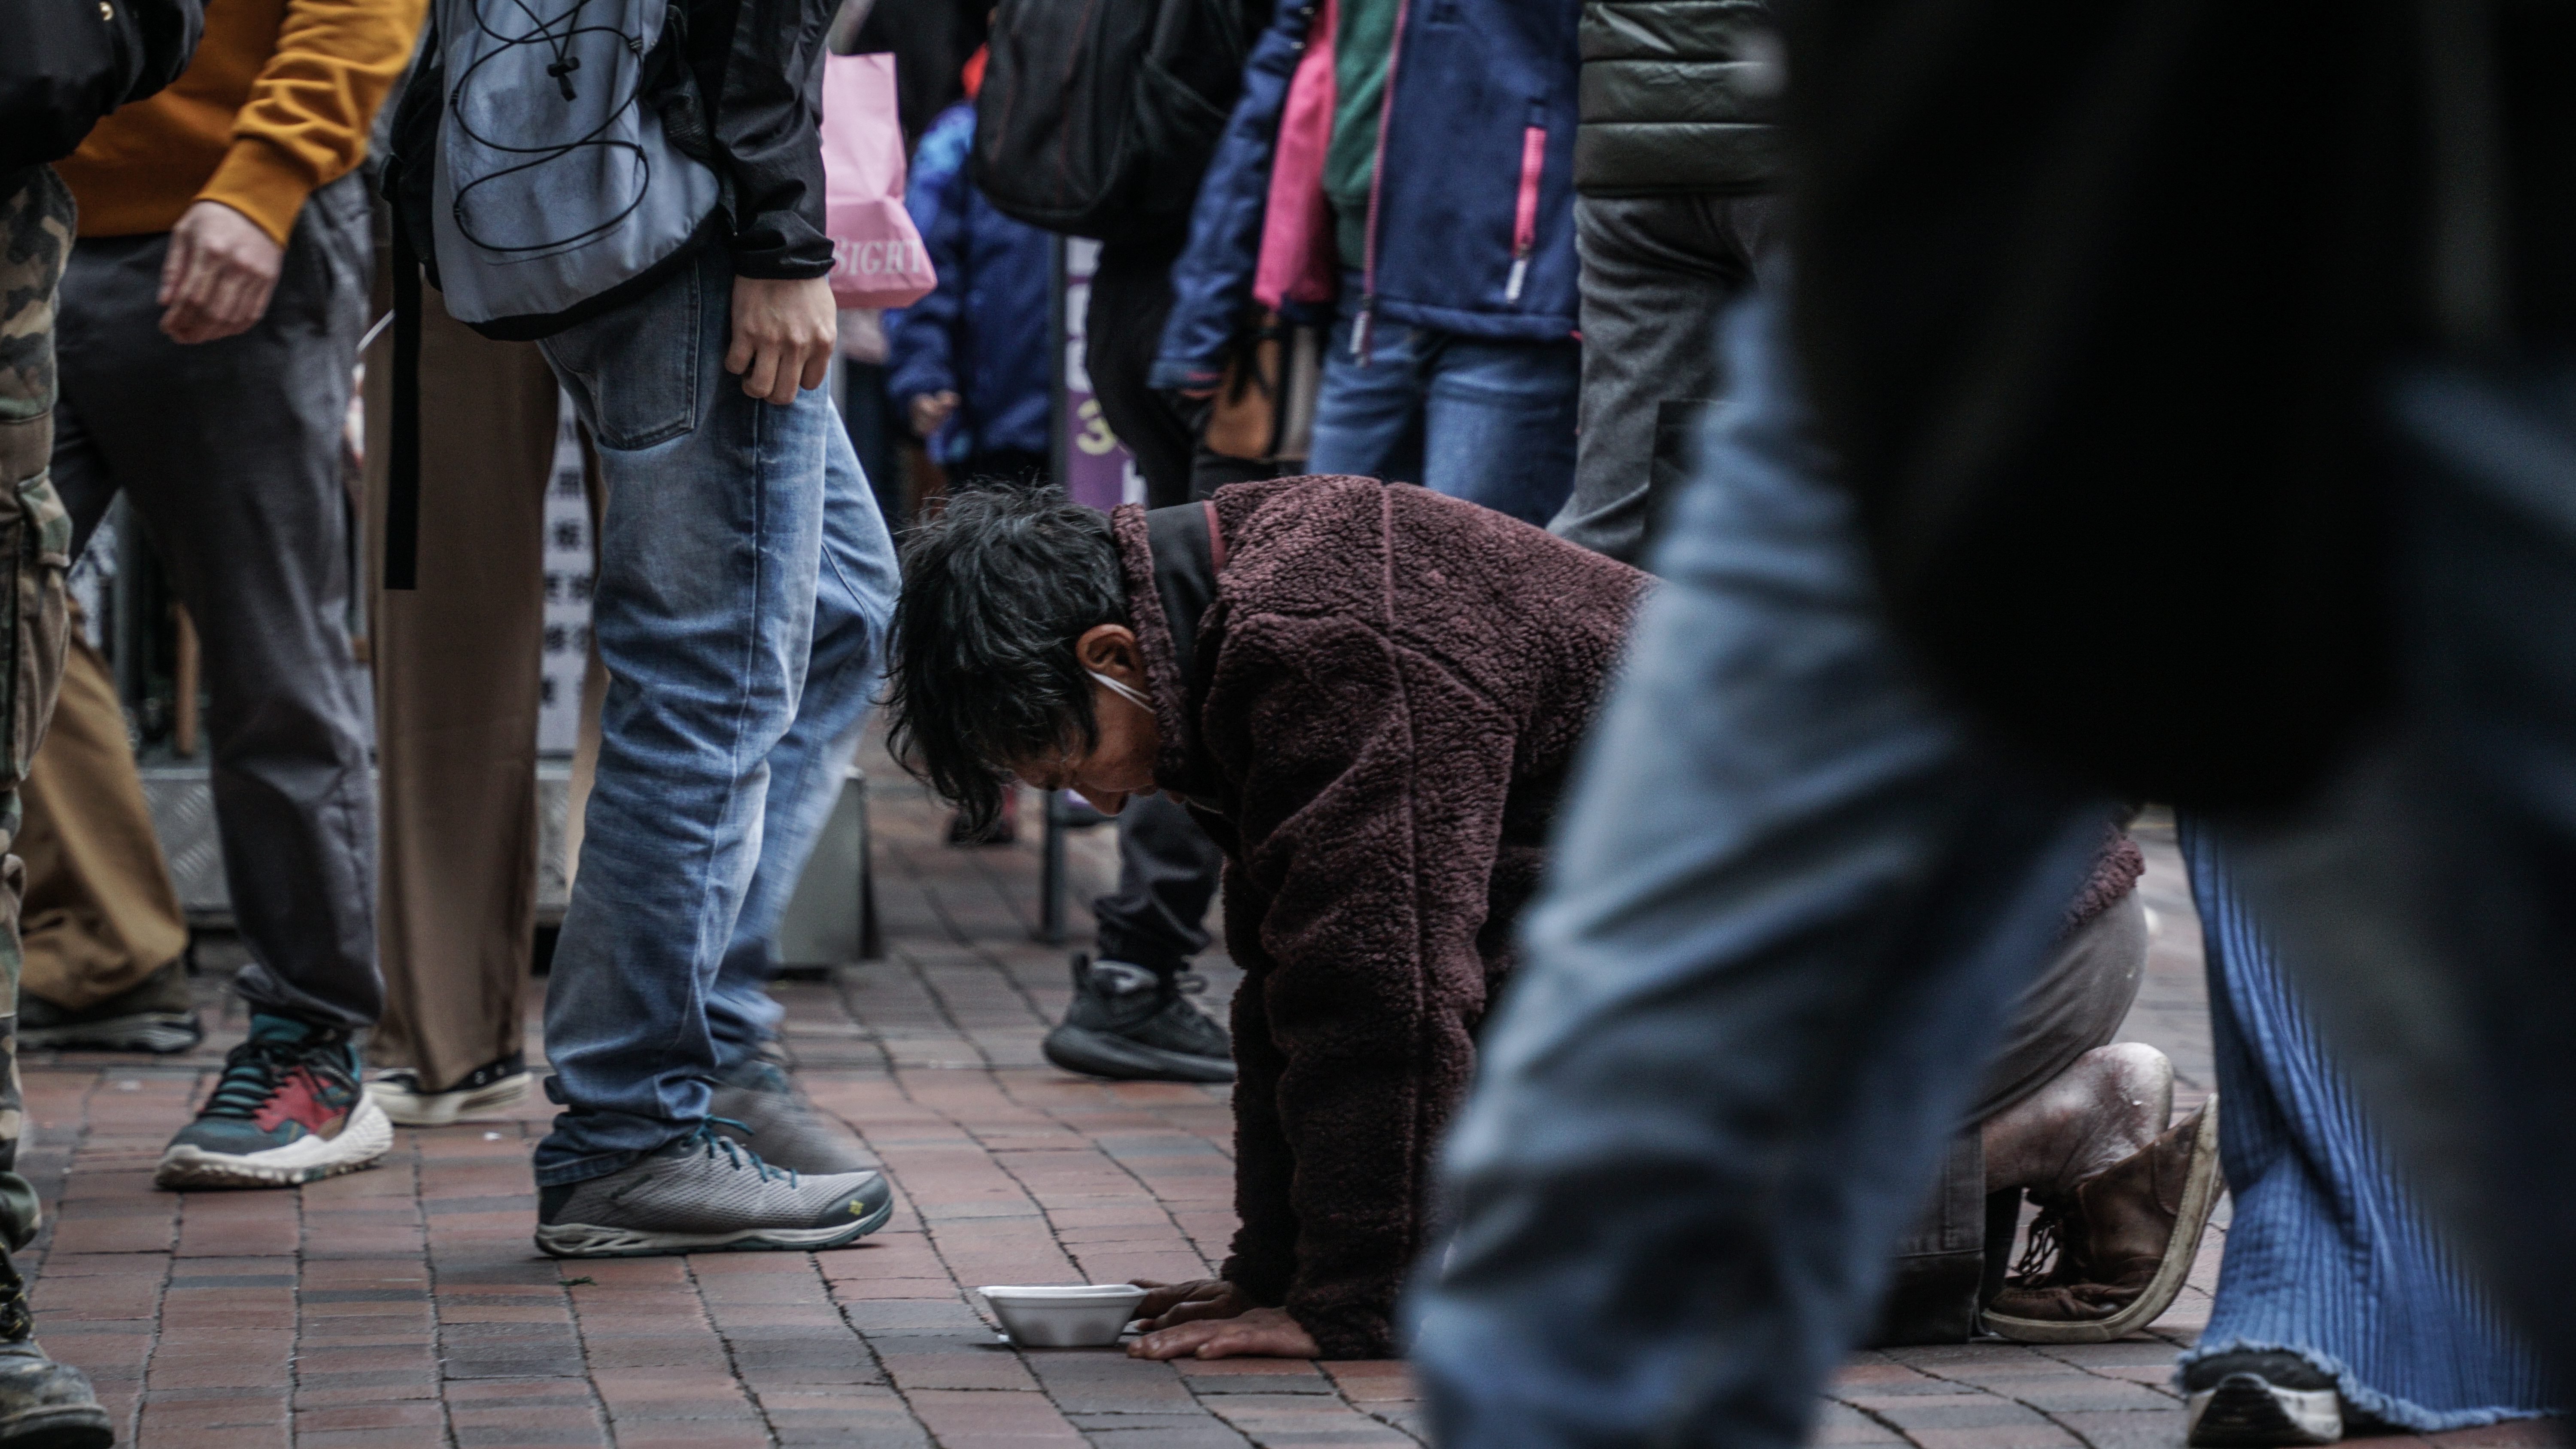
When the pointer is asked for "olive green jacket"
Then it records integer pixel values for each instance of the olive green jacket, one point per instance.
(1677, 97)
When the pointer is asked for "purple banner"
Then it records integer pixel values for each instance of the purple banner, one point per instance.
(1093, 464)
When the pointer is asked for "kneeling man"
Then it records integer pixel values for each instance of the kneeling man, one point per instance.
(1371, 696)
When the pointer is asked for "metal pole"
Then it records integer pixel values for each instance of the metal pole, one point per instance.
(1051, 885)
(1059, 334)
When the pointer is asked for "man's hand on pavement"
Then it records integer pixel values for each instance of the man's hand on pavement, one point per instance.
(1253, 1333)
(782, 336)
(1167, 1304)
(217, 274)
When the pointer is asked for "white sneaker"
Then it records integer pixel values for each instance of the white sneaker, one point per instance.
(486, 1089)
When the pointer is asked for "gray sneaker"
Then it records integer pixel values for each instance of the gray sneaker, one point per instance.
(776, 1119)
(158, 1015)
(706, 1193)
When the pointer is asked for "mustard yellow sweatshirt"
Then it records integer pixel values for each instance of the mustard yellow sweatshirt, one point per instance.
(276, 104)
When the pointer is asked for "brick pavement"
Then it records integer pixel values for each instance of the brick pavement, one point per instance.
(405, 1307)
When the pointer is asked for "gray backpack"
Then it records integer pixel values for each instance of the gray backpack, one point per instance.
(571, 167)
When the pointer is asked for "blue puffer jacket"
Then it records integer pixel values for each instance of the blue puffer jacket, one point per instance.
(983, 334)
(1479, 129)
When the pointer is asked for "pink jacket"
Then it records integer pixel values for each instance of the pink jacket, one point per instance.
(1297, 262)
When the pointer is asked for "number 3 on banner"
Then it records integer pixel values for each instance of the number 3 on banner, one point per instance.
(1095, 437)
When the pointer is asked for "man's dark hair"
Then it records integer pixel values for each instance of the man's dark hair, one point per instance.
(996, 590)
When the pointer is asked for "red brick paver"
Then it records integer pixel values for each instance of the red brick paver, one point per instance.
(404, 1306)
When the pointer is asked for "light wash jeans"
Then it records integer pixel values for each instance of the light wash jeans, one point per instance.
(1486, 420)
(1792, 898)
(1790, 904)
(745, 583)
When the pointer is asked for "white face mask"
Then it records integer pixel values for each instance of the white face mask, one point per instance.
(1120, 689)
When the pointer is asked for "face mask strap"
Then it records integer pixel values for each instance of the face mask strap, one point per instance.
(1121, 689)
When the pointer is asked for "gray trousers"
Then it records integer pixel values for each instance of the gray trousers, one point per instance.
(1167, 875)
(230, 453)
(1658, 271)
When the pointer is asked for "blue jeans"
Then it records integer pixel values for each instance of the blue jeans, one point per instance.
(1792, 897)
(1485, 420)
(745, 584)
(2328, 1255)
(1790, 904)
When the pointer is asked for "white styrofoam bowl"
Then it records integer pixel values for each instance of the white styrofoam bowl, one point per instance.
(1064, 1317)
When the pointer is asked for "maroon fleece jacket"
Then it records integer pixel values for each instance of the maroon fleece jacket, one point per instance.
(1398, 685)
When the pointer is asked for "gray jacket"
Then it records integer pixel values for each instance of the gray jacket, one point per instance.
(1677, 97)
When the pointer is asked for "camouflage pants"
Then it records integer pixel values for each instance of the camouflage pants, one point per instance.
(35, 552)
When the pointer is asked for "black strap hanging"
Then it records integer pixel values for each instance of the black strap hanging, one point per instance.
(402, 472)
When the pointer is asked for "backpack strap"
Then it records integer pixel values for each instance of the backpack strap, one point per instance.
(402, 468)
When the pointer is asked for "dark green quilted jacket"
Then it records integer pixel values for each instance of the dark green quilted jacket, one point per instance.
(1675, 98)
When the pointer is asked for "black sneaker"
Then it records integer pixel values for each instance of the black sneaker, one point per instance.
(158, 1016)
(43, 1404)
(2257, 1400)
(288, 1109)
(485, 1090)
(1134, 1024)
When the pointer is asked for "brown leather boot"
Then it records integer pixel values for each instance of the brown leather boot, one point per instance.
(2124, 1238)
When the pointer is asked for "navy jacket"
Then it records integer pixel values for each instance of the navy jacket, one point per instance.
(1474, 80)
(983, 333)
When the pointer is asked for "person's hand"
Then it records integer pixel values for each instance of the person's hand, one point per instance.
(1169, 1304)
(929, 410)
(782, 336)
(217, 274)
(1253, 1333)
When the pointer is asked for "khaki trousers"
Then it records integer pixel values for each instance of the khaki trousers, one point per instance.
(100, 912)
(457, 698)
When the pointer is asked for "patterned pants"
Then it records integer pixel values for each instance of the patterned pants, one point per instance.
(36, 224)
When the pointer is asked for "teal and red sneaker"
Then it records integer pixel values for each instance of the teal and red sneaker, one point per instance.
(289, 1108)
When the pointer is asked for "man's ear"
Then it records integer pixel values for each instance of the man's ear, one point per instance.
(1112, 650)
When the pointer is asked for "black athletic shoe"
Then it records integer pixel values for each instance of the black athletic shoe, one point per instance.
(1134, 1024)
(484, 1091)
(2258, 1400)
(43, 1404)
(158, 1016)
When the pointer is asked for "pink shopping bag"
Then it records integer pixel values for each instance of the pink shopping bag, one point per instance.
(877, 257)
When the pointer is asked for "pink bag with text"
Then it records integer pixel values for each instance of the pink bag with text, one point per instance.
(877, 256)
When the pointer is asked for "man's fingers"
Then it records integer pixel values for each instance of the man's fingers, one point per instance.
(1160, 1301)
(232, 303)
(174, 266)
(1162, 1296)
(1198, 1310)
(185, 321)
(196, 280)
(762, 373)
(1227, 1341)
(791, 371)
(1172, 1342)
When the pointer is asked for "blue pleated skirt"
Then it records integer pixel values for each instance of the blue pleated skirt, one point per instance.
(2326, 1256)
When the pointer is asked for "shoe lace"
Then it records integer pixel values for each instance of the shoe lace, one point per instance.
(1189, 983)
(2047, 1242)
(17, 1323)
(713, 1142)
(252, 1072)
